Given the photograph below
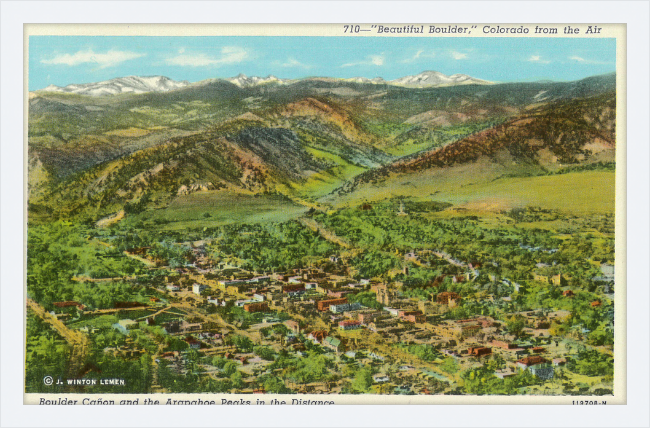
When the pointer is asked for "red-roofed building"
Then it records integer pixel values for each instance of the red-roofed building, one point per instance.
(568, 293)
(479, 351)
(349, 324)
(533, 360)
(256, 307)
(324, 305)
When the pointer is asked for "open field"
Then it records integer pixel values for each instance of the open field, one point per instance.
(213, 208)
(577, 192)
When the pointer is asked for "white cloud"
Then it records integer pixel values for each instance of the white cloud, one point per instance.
(586, 61)
(294, 63)
(370, 60)
(538, 59)
(229, 55)
(420, 54)
(108, 59)
(458, 55)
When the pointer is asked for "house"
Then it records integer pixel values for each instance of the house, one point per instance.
(198, 288)
(412, 316)
(595, 303)
(317, 336)
(380, 378)
(479, 351)
(538, 366)
(293, 289)
(457, 329)
(259, 297)
(338, 293)
(228, 282)
(192, 342)
(337, 309)
(332, 343)
(559, 361)
(503, 344)
(527, 362)
(324, 305)
(543, 371)
(293, 326)
(568, 293)
(173, 287)
(368, 317)
(349, 324)
(256, 307)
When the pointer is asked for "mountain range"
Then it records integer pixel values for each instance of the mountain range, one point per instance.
(318, 141)
(138, 85)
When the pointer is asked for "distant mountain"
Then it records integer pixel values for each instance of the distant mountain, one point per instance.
(139, 85)
(434, 78)
(244, 81)
(122, 85)
(376, 80)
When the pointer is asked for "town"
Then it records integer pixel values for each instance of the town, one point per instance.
(213, 323)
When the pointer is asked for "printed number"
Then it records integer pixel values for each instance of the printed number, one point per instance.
(588, 402)
(351, 28)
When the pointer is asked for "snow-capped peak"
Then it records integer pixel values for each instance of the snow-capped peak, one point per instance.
(244, 81)
(122, 85)
(435, 78)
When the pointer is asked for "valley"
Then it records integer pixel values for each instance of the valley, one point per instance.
(321, 235)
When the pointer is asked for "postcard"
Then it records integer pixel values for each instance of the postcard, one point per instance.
(325, 214)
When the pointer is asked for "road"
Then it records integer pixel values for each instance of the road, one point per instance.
(78, 342)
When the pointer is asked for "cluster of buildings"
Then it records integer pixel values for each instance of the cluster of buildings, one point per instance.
(324, 310)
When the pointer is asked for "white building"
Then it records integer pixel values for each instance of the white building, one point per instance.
(199, 288)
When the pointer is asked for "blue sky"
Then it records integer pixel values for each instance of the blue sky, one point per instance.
(62, 60)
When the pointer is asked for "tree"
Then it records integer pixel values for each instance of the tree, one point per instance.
(515, 325)
(362, 380)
